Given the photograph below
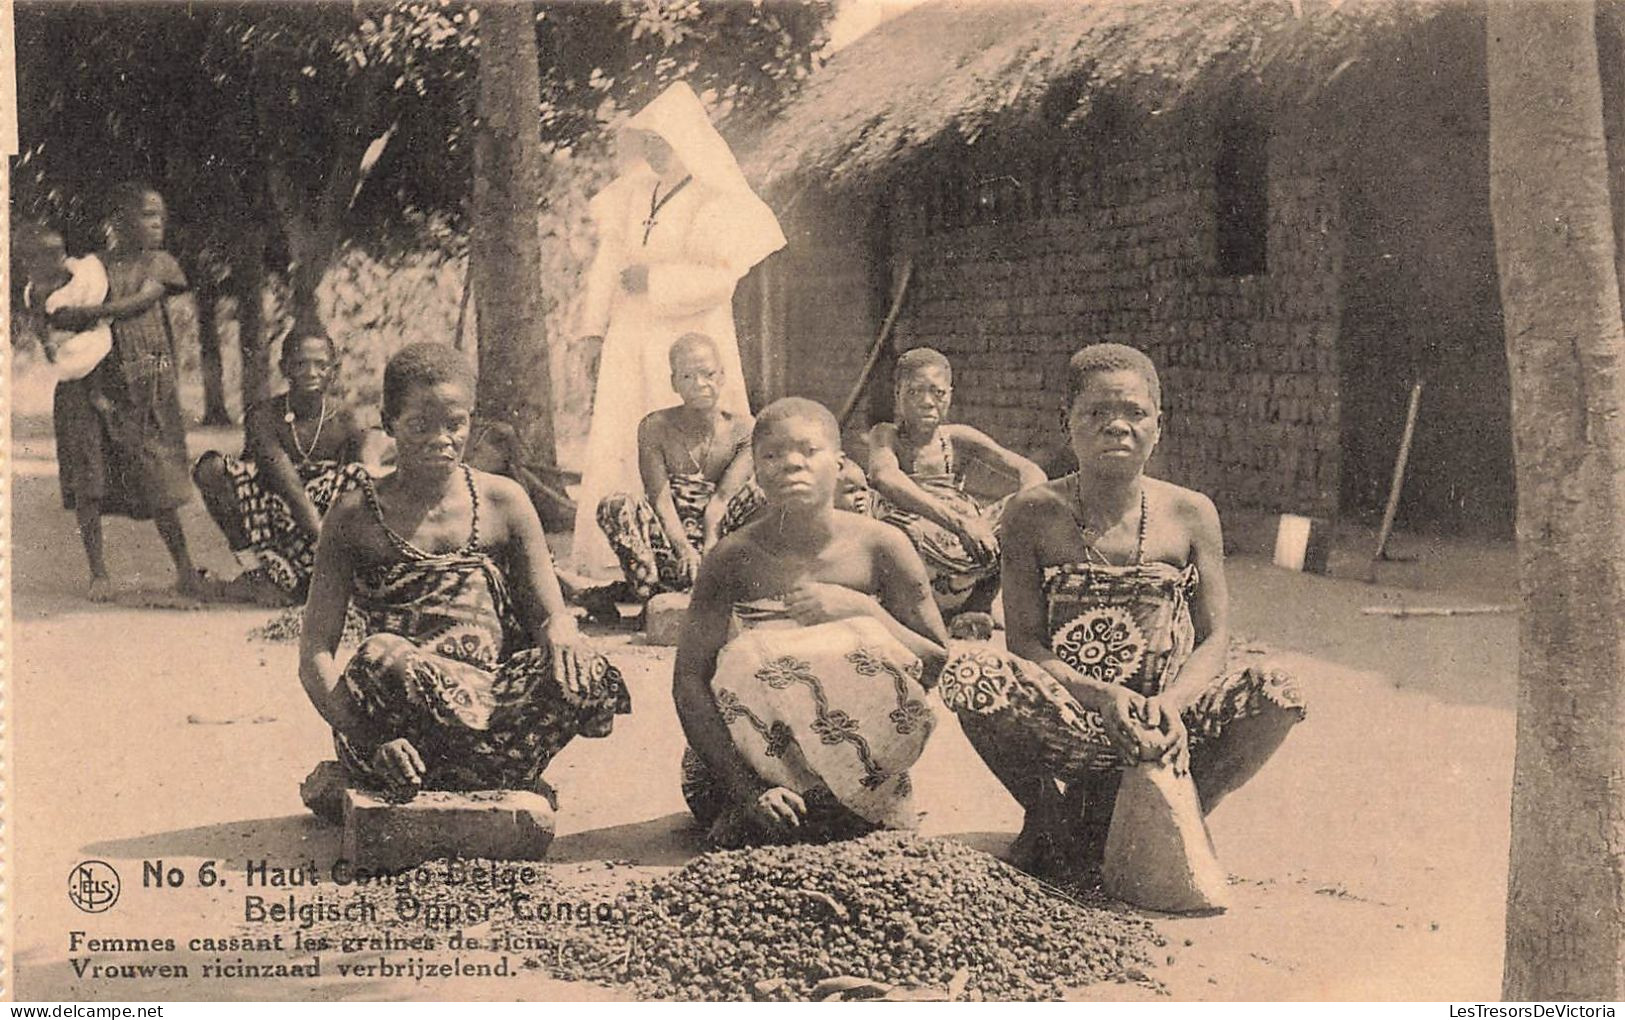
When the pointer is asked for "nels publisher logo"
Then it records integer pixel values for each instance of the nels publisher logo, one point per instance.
(93, 886)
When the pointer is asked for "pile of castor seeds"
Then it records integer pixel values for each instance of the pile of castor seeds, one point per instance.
(887, 916)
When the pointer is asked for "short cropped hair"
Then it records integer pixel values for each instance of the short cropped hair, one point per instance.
(787, 408)
(691, 342)
(291, 342)
(916, 358)
(1097, 358)
(423, 364)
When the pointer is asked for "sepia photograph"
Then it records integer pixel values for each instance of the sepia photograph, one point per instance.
(1114, 501)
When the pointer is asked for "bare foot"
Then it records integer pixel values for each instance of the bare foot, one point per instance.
(257, 588)
(101, 590)
(546, 789)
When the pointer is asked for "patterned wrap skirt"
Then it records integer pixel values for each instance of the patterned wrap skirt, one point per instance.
(834, 712)
(647, 556)
(439, 668)
(282, 548)
(954, 571)
(1117, 625)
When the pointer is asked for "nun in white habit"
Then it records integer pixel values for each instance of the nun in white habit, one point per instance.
(676, 232)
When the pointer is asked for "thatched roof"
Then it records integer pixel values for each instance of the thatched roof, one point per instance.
(967, 64)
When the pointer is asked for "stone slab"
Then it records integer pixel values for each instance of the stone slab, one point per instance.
(323, 791)
(498, 824)
(663, 619)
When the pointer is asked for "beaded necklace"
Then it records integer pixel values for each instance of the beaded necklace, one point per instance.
(293, 428)
(405, 547)
(1091, 535)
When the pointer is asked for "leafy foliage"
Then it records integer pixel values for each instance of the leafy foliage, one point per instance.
(359, 112)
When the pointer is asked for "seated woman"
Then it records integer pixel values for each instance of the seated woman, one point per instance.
(852, 493)
(473, 675)
(1118, 630)
(693, 458)
(802, 671)
(301, 451)
(916, 468)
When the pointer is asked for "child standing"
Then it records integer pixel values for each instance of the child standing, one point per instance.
(120, 416)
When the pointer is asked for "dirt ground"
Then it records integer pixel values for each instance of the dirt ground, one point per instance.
(1369, 856)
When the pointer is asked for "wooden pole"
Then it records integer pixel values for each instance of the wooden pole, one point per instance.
(1398, 482)
(879, 344)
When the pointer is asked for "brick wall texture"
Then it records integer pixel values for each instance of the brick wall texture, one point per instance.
(1010, 280)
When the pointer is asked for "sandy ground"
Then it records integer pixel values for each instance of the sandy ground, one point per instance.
(1369, 856)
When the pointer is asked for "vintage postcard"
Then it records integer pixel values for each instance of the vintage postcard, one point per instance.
(929, 500)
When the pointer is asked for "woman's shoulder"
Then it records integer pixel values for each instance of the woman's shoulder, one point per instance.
(740, 425)
(655, 422)
(873, 534)
(1189, 504)
(351, 506)
(882, 434)
(1044, 498)
(498, 490)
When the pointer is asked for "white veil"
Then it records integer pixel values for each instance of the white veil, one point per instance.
(740, 223)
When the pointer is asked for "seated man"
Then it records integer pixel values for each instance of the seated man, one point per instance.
(473, 674)
(802, 671)
(693, 459)
(1118, 631)
(301, 451)
(916, 466)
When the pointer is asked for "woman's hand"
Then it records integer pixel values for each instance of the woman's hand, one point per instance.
(815, 602)
(1168, 742)
(399, 764)
(1123, 712)
(688, 561)
(778, 808)
(150, 291)
(977, 537)
(570, 654)
(635, 278)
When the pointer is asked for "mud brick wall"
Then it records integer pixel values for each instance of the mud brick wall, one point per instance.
(1012, 276)
(813, 300)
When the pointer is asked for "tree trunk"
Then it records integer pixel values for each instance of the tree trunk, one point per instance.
(210, 365)
(313, 237)
(515, 381)
(248, 286)
(1560, 289)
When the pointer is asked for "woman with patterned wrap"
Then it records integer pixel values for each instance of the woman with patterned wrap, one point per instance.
(473, 675)
(1118, 632)
(302, 450)
(694, 460)
(917, 465)
(810, 643)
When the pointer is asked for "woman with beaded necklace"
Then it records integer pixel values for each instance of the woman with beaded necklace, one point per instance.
(1117, 619)
(302, 450)
(473, 674)
(917, 468)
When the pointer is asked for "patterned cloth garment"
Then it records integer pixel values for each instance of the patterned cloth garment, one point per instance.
(446, 665)
(647, 557)
(954, 571)
(833, 711)
(1126, 625)
(282, 548)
